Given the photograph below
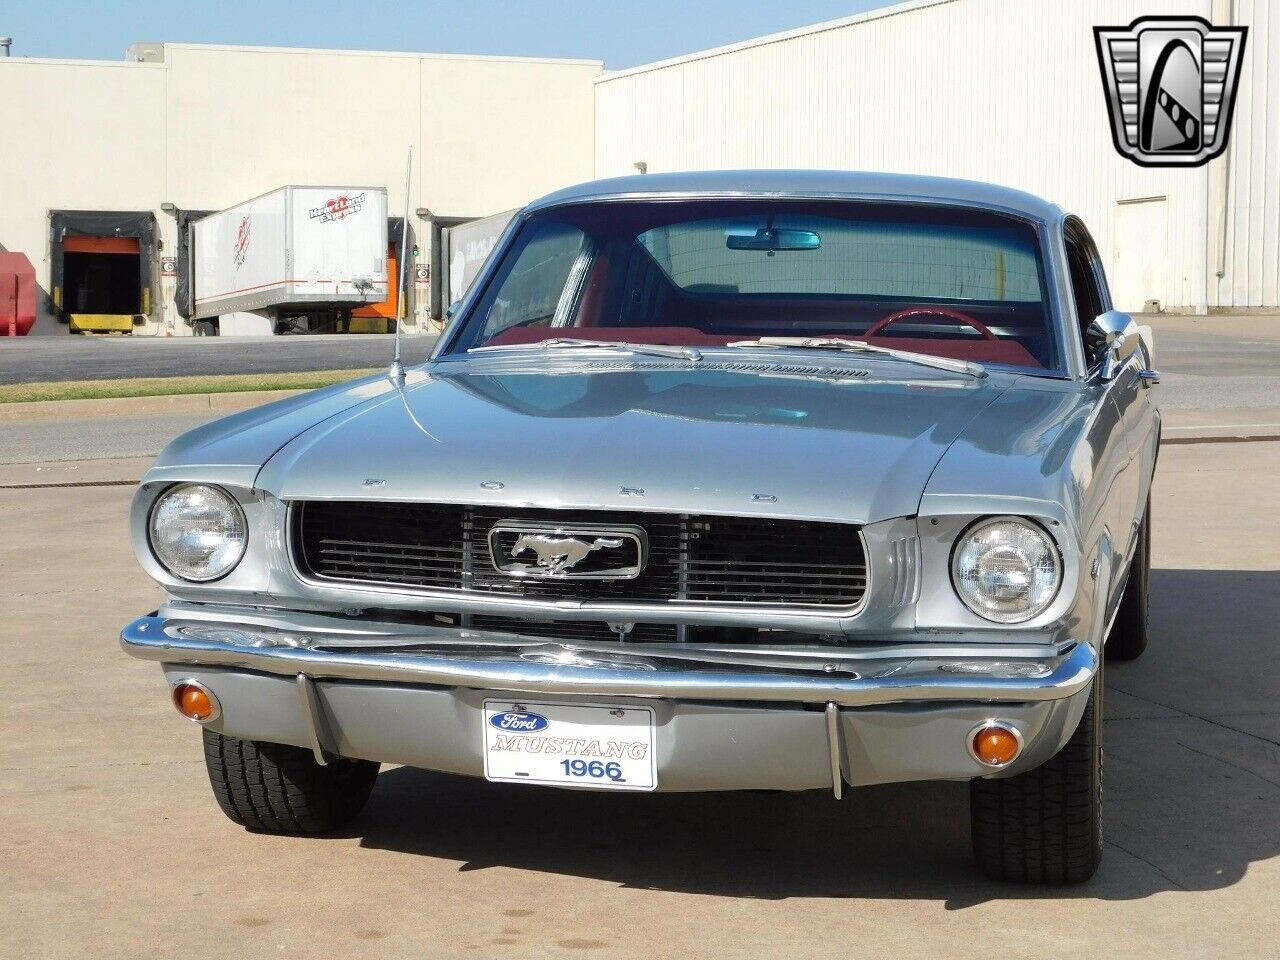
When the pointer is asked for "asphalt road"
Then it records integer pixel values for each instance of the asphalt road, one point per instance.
(113, 846)
(1216, 370)
(1217, 361)
(43, 359)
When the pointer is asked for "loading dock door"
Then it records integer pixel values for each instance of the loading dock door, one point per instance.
(101, 268)
(100, 282)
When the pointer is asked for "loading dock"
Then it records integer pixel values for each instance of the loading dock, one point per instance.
(101, 268)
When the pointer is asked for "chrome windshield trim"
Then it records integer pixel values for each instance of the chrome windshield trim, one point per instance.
(1047, 224)
(921, 676)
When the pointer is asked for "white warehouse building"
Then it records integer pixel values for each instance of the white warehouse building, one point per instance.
(1007, 91)
(179, 129)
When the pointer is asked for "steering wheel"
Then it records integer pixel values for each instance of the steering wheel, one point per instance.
(956, 315)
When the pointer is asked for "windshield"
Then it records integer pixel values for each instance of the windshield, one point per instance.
(945, 281)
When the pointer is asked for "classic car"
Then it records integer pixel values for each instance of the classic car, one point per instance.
(715, 481)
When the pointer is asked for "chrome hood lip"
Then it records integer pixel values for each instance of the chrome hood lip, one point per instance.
(856, 444)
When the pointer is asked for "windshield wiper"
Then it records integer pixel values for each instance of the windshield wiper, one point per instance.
(861, 346)
(556, 343)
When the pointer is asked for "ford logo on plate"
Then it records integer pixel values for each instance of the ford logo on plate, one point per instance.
(519, 722)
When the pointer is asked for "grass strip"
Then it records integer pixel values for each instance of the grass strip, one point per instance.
(171, 386)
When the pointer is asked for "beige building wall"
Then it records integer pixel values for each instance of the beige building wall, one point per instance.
(204, 127)
(68, 145)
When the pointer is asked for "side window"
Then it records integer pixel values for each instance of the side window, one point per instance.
(1084, 283)
(543, 274)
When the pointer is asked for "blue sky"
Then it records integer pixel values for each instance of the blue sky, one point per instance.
(623, 33)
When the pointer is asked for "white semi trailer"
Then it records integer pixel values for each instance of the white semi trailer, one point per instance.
(288, 250)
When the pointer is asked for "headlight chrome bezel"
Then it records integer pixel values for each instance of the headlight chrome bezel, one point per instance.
(218, 493)
(1027, 523)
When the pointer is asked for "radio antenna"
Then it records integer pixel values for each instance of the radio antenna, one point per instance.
(395, 373)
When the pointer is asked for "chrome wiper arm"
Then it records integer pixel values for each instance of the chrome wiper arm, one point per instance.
(968, 367)
(556, 343)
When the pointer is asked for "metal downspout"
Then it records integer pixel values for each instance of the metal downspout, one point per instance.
(1220, 176)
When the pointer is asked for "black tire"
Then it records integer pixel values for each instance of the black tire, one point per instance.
(278, 788)
(1045, 825)
(1129, 633)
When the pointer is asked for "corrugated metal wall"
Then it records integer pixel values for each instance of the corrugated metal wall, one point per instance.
(1249, 247)
(1001, 90)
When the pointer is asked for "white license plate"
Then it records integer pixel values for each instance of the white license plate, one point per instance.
(569, 744)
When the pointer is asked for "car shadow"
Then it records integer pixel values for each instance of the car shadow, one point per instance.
(1170, 774)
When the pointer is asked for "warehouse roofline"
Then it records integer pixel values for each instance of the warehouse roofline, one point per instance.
(896, 10)
(143, 47)
(78, 62)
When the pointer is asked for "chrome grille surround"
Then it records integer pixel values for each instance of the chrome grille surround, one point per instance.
(695, 561)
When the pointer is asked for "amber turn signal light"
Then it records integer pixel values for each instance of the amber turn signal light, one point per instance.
(995, 744)
(194, 701)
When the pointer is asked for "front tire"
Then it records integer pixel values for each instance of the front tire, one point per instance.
(1045, 825)
(277, 788)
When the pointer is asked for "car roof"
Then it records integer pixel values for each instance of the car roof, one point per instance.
(809, 183)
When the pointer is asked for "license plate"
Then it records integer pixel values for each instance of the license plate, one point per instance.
(569, 744)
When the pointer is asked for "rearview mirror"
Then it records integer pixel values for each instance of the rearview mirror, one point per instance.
(774, 238)
(1111, 338)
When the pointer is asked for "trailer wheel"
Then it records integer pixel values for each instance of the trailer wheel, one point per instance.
(206, 328)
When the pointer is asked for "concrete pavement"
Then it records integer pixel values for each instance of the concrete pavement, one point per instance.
(94, 438)
(114, 848)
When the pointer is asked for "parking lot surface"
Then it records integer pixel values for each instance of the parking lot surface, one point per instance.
(113, 846)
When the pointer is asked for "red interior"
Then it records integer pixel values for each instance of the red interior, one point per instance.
(982, 351)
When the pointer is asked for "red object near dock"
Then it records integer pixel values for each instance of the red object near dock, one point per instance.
(17, 295)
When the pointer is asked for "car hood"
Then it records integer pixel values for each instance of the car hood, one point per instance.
(852, 441)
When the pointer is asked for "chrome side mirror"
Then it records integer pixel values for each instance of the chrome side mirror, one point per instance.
(1112, 339)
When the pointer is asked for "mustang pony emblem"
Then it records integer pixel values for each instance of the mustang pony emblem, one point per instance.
(558, 554)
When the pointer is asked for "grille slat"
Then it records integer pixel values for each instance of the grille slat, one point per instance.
(694, 558)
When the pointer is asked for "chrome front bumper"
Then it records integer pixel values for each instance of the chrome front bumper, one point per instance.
(728, 718)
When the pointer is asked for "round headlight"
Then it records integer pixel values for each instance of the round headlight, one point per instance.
(198, 532)
(1006, 569)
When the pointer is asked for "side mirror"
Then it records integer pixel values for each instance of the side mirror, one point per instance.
(452, 310)
(1112, 339)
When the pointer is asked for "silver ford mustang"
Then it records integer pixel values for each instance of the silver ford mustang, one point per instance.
(719, 481)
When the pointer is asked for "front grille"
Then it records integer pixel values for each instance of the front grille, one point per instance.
(693, 558)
